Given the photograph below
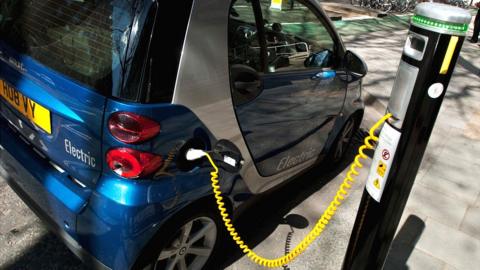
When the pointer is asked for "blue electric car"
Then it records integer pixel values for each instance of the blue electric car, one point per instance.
(101, 99)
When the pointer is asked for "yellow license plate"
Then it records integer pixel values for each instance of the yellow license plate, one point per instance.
(35, 112)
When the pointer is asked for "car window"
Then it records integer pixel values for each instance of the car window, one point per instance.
(243, 42)
(296, 38)
(85, 40)
(166, 49)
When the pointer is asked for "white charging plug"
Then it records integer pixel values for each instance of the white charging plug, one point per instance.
(194, 154)
(230, 161)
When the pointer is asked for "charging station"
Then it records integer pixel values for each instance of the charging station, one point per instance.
(433, 44)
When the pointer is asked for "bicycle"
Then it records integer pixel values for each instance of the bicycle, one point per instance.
(459, 3)
(383, 5)
(403, 6)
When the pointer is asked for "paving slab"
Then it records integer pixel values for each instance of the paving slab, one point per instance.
(461, 153)
(462, 146)
(454, 190)
(455, 170)
(472, 130)
(470, 222)
(449, 267)
(457, 248)
(435, 205)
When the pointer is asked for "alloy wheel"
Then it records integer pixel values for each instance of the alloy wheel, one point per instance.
(191, 247)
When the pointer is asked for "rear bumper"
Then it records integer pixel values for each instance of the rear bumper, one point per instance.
(69, 241)
(43, 196)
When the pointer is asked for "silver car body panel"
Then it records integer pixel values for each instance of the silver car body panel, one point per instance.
(203, 85)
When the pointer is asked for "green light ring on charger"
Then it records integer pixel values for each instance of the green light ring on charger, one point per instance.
(432, 24)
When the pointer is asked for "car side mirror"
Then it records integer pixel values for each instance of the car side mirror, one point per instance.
(354, 65)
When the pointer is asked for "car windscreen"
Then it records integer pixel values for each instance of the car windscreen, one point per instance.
(85, 40)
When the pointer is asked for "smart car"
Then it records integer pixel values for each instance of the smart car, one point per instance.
(101, 99)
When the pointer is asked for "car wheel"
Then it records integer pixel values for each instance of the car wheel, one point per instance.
(343, 140)
(189, 241)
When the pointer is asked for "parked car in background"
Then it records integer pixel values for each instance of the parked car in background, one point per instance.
(100, 100)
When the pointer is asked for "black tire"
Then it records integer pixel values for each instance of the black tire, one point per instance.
(343, 140)
(167, 240)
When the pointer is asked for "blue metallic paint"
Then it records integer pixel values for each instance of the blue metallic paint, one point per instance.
(74, 113)
(37, 178)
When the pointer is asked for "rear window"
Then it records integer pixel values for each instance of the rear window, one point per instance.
(85, 40)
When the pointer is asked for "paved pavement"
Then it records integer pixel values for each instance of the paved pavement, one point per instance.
(440, 227)
(343, 9)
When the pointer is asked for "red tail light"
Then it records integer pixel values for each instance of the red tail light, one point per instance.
(132, 128)
(131, 163)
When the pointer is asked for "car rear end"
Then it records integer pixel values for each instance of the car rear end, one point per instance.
(87, 131)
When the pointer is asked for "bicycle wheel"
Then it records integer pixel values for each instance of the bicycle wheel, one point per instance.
(465, 3)
(372, 4)
(386, 5)
(457, 3)
(401, 5)
(411, 5)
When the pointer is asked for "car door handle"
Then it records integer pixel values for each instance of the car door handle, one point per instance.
(323, 75)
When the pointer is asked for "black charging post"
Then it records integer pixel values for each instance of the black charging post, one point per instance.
(434, 40)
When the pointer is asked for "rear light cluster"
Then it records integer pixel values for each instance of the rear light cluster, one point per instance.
(131, 163)
(132, 128)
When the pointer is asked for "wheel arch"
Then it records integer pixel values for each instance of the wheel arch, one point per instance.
(148, 251)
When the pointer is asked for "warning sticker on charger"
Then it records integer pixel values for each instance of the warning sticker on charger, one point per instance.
(382, 161)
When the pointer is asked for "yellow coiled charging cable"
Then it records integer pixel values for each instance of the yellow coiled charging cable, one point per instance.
(322, 221)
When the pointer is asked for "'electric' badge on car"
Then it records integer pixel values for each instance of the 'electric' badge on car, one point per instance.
(79, 154)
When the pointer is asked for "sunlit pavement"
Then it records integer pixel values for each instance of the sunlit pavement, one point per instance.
(445, 198)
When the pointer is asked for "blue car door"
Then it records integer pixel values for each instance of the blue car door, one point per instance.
(285, 86)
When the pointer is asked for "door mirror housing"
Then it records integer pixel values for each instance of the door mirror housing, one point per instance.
(354, 65)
